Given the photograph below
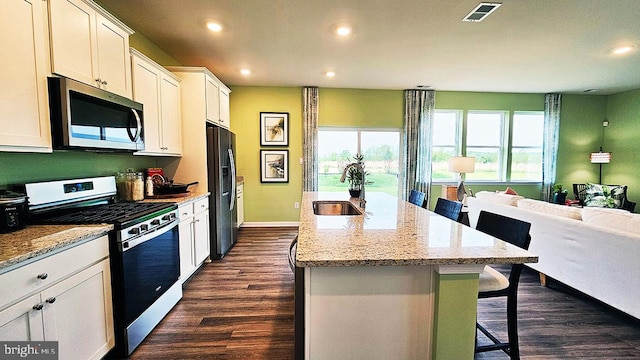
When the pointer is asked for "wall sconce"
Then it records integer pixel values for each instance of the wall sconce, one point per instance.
(462, 165)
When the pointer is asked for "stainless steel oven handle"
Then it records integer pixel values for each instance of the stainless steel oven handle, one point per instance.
(148, 236)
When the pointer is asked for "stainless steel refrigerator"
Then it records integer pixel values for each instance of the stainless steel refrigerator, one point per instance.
(221, 172)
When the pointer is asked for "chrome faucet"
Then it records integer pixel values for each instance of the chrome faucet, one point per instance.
(363, 202)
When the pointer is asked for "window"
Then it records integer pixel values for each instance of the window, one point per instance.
(486, 142)
(526, 147)
(506, 149)
(446, 133)
(381, 148)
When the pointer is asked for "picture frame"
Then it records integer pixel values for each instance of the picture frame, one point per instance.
(274, 166)
(274, 129)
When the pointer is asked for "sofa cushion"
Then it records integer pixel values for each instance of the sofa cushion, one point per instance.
(607, 196)
(612, 218)
(551, 209)
(499, 197)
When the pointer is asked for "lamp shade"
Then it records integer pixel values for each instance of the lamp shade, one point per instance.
(600, 157)
(462, 164)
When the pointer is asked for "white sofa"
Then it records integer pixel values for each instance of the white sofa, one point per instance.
(595, 251)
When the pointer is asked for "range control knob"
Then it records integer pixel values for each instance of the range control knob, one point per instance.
(134, 231)
(166, 218)
(144, 227)
(155, 222)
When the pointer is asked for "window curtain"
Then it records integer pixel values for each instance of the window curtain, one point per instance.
(310, 139)
(552, 105)
(419, 106)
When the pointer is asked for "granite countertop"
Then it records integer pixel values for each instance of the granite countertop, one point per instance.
(182, 199)
(394, 232)
(39, 240)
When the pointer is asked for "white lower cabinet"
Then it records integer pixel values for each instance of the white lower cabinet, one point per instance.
(73, 308)
(240, 204)
(194, 236)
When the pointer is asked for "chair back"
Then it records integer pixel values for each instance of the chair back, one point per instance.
(417, 198)
(580, 192)
(449, 209)
(507, 229)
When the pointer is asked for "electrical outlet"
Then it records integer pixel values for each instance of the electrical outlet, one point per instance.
(296, 205)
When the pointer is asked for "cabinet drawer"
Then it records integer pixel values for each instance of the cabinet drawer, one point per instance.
(185, 211)
(201, 205)
(47, 271)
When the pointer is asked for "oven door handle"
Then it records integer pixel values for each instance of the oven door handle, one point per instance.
(130, 244)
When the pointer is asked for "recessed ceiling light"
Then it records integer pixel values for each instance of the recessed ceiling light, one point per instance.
(623, 50)
(343, 30)
(330, 74)
(245, 72)
(214, 26)
(590, 90)
(423, 86)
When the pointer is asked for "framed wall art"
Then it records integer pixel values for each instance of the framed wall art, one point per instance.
(274, 166)
(274, 129)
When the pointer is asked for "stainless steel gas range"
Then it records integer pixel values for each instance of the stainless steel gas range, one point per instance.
(144, 249)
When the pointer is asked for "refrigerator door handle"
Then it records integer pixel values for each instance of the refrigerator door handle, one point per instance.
(232, 203)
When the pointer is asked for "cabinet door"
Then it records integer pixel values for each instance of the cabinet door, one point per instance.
(113, 57)
(146, 80)
(78, 313)
(170, 115)
(212, 94)
(23, 69)
(187, 262)
(224, 108)
(20, 322)
(73, 42)
(201, 236)
(240, 204)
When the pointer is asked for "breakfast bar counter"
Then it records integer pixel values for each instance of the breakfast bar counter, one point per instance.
(395, 281)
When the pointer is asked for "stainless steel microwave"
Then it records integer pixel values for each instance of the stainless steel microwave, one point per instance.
(85, 117)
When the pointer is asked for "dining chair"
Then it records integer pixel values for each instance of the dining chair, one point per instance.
(495, 284)
(448, 208)
(418, 198)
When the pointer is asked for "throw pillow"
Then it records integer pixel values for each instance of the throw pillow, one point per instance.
(499, 198)
(551, 209)
(609, 196)
(510, 191)
(612, 218)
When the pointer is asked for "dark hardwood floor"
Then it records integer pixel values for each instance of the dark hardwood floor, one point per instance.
(241, 307)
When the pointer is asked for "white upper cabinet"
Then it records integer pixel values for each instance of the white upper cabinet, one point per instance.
(214, 94)
(225, 120)
(90, 45)
(159, 91)
(24, 111)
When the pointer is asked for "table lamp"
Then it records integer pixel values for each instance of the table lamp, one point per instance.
(461, 165)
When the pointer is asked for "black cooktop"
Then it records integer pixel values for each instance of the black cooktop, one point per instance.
(115, 213)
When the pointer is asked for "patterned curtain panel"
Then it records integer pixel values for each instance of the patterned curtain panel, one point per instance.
(310, 139)
(419, 106)
(552, 105)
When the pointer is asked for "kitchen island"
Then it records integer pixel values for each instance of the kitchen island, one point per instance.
(397, 281)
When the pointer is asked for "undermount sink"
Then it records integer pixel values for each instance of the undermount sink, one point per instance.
(335, 207)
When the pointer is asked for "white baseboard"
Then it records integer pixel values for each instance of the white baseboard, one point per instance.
(271, 224)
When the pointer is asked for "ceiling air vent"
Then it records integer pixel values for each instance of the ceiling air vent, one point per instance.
(481, 11)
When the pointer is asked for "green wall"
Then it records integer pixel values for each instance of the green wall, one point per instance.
(267, 202)
(621, 138)
(360, 108)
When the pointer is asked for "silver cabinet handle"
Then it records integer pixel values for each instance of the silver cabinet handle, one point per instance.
(38, 307)
(43, 276)
(51, 300)
(104, 82)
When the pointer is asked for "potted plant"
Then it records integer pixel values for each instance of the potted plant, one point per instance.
(559, 194)
(357, 176)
